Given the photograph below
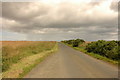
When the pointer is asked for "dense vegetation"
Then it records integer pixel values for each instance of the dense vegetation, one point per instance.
(108, 49)
(13, 51)
(74, 42)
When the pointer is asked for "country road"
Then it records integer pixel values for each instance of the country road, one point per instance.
(70, 63)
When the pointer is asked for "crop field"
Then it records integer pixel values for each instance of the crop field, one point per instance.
(13, 51)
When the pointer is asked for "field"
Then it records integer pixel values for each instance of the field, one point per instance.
(13, 52)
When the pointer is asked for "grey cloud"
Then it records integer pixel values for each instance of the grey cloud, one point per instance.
(91, 33)
(65, 15)
(0, 9)
(114, 6)
(23, 11)
(64, 20)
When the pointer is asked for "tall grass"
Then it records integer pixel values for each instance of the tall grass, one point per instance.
(13, 51)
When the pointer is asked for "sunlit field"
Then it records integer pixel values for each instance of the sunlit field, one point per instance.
(14, 51)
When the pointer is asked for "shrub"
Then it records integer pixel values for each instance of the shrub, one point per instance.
(104, 48)
(74, 42)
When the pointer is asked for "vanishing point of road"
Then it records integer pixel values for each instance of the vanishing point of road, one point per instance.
(70, 63)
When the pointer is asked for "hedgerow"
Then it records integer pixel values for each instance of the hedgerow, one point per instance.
(109, 49)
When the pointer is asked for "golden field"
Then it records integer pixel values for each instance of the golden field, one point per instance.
(14, 51)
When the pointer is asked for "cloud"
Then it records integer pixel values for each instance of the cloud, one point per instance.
(114, 6)
(22, 11)
(64, 19)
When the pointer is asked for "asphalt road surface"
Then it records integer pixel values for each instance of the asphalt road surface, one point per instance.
(70, 63)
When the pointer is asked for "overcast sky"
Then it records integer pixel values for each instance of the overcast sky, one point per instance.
(60, 20)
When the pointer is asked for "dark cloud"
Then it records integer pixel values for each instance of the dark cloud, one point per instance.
(23, 11)
(63, 20)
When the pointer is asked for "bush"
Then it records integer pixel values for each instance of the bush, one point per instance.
(74, 42)
(108, 49)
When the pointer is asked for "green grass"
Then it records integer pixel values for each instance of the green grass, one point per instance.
(13, 51)
(97, 56)
(37, 61)
(29, 55)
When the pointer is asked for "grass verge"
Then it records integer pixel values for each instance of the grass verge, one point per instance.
(97, 56)
(23, 66)
(37, 61)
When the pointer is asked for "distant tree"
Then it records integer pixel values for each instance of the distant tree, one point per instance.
(74, 42)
